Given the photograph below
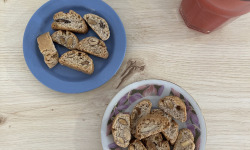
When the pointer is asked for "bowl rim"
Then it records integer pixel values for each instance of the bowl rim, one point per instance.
(127, 88)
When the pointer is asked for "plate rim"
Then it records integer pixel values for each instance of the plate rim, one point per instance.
(69, 85)
(128, 88)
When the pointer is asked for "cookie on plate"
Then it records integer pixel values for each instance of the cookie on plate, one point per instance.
(174, 106)
(65, 38)
(136, 145)
(150, 124)
(152, 141)
(185, 140)
(93, 46)
(172, 132)
(156, 142)
(47, 48)
(99, 25)
(77, 60)
(121, 130)
(71, 21)
(163, 146)
(141, 109)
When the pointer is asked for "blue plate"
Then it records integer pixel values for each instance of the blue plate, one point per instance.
(64, 79)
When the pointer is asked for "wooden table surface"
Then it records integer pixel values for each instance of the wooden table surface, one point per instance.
(213, 68)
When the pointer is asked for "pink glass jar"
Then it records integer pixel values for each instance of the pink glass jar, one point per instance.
(207, 15)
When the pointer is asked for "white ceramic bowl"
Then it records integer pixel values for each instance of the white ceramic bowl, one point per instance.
(154, 90)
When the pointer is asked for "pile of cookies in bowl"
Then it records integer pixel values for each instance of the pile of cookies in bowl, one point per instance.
(153, 129)
(77, 57)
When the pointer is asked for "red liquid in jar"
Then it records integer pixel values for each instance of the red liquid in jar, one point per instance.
(207, 15)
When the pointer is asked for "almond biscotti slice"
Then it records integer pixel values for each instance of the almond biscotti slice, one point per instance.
(121, 130)
(174, 106)
(77, 60)
(71, 21)
(99, 25)
(136, 145)
(156, 138)
(163, 146)
(155, 142)
(152, 141)
(141, 109)
(150, 124)
(172, 132)
(185, 140)
(93, 46)
(65, 38)
(47, 48)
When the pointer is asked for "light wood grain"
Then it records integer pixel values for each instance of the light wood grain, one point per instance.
(214, 69)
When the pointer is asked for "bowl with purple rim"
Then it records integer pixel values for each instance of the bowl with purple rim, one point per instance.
(125, 100)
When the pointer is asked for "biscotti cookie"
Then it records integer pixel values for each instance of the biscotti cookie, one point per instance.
(156, 138)
(99, 25)
(121, 130)
(141, 109)
(77, 60)
(149, 125)
(185, 140)
(170, 133)
(155, 142)
(163, 146)
(47, 48)
(152, 141)
(65, 38)
(71, 21)
(174, 106)
(93, 46)
(136, 145)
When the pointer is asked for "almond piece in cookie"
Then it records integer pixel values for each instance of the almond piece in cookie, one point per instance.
(71, 21)
(99, 25)
(93, 46)
(141, 109)
(174, 106)
(150, 124)
(121, 130)
(65, 38)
